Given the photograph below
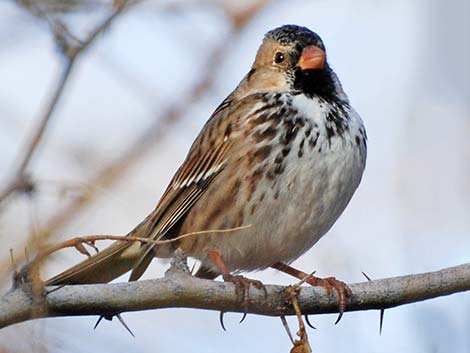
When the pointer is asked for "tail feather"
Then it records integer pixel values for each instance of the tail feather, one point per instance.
(140, 266)
(112, 262)
(103, 267)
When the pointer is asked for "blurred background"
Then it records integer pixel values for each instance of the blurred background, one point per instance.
(137, 96)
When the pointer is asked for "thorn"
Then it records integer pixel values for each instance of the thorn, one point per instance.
(123, 323)
(243, 318)
(221, 319)
(367, 277)
(382, 313)
(307, 320)
(110, 318)
(98, 322)
(286, 327)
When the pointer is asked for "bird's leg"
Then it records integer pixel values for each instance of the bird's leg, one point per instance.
(328, 283)
(242, 284)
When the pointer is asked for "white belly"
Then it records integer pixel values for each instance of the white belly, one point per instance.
(302, 204)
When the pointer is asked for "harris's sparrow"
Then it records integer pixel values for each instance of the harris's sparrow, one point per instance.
(282, 154)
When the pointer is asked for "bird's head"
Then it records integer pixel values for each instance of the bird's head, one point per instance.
(293, 58)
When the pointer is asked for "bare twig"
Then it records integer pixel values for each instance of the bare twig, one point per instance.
(70, 52)
(90, 240)
(182, 290)
(38, 132)
(301, 345)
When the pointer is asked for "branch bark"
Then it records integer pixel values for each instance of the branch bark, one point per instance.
(179, 289)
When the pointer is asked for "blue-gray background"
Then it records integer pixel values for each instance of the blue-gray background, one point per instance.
(404, 65)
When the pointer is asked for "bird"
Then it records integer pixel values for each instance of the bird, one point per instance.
(276, 163)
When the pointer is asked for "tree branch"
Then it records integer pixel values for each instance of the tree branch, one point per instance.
(179, 289)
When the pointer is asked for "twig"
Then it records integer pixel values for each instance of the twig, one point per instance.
(183, 290)
(301, 345)
(90, 240)
(38, 132)
(70, 53)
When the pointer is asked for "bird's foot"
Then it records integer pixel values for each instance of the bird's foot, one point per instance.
(330, 284)
(242, 286)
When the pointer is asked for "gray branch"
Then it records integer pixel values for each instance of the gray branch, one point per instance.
(179, 289)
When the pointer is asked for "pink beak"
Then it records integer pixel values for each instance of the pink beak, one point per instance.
(312, 58)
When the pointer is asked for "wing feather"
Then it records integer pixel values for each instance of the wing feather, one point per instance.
(208, 156)
(201, 166)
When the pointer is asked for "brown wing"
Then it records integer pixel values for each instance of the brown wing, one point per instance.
(206, 158)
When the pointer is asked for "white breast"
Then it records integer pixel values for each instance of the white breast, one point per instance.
(305, 200)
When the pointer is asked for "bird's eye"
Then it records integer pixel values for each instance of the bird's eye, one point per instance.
(279, 57)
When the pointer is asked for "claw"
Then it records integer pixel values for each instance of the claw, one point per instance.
(341, 289)
(307, 320)
(328, 283)
(243, 318)
(242, 287)
(242, 284)
(221, 319)
(340, 315)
